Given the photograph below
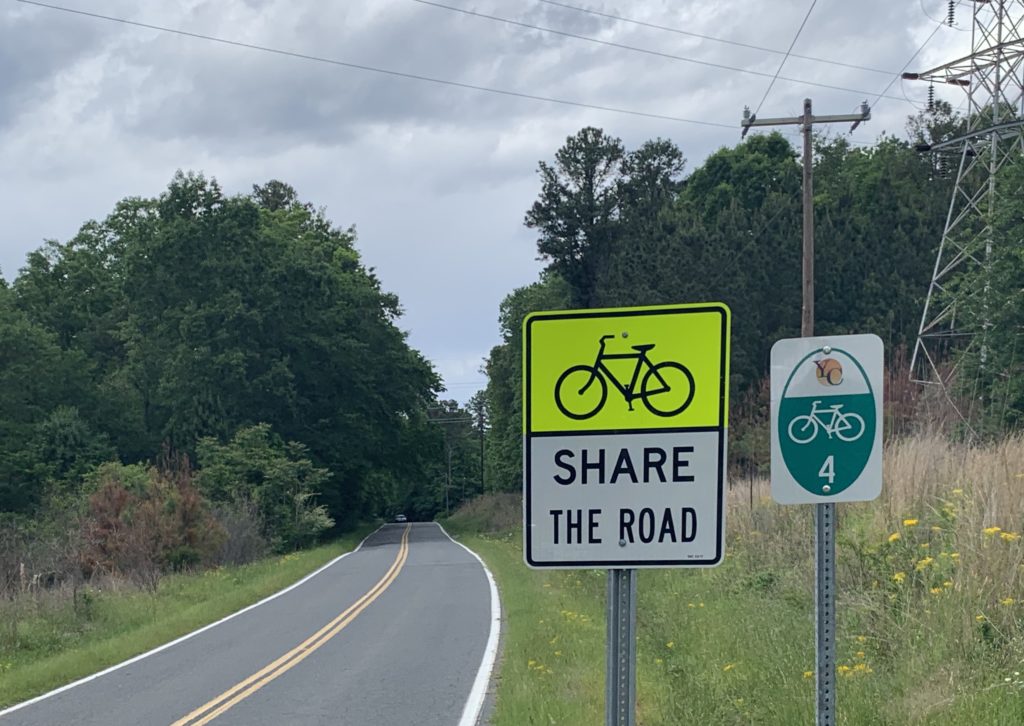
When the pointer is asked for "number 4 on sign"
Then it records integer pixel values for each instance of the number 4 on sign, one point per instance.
(828, 469)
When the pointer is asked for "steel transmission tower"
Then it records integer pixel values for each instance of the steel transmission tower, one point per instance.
(993, 137)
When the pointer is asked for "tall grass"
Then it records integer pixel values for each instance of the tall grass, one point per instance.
(929, 606)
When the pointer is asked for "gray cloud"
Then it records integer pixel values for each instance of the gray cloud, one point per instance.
(34, 47)
(437, 179)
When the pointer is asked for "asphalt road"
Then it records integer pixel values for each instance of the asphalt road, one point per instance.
(394, 633)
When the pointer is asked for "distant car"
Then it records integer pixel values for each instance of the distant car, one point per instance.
(401, 518)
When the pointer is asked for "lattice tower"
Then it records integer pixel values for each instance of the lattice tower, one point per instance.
(993, 78)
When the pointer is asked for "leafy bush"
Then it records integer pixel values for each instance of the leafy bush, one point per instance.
(277, 477)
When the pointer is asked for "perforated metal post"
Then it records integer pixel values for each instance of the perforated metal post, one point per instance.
(825, 607)
(620, 679)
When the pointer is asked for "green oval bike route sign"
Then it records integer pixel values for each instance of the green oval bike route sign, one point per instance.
(826, 419)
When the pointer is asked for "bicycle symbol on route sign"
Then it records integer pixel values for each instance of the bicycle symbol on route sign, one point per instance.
(666, 388)
(844, 426)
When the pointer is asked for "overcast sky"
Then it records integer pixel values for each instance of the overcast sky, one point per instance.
(435, 178)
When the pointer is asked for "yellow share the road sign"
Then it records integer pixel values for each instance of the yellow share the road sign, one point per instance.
(625, 427)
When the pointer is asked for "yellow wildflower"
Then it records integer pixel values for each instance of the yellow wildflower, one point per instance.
(989, 531)
(979, 618)
(894, 536)
(954, 555)
(923, 563)
(862, 668)
(1009, 536)
(899, 577)
(936, 528)
(808, 674)
(936, 591)
(859, 654)
(670, 644)
(844, 670)
(909, 522)
(957, 492)
(728, 667)
(947, 583)
(1007, 601)
(925, 545)
(862, 638)
(558, 654)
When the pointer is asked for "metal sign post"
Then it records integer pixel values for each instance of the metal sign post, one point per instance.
(826, 448)
(825, 607)
(620, 680)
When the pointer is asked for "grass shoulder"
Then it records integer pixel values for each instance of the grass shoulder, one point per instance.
(52, 640)
(930, 613)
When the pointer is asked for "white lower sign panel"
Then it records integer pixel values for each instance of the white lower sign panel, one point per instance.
(646, 499)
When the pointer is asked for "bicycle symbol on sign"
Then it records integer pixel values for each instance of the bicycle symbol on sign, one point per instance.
(666, 388)
(845, 426)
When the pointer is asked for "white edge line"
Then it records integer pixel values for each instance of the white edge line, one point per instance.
(475, 703)
(185, 637)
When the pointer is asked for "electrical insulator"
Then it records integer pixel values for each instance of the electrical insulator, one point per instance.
(931, 98)
(951, 13)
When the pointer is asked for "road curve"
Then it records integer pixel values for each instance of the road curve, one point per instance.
(401, 631)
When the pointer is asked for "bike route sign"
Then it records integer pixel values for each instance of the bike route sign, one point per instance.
(624, 436)
(826, 413)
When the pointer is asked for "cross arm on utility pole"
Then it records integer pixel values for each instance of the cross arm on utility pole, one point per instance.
(750, 120)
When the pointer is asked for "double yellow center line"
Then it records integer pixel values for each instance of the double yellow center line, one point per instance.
(242, 690)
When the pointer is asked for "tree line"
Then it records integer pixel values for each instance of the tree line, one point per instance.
(200, 368)
(631, 227)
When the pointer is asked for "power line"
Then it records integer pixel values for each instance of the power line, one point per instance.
(374, 69)
(645, 51)
(737, 43)
(906, 65)
(899, 76)
(786, 57)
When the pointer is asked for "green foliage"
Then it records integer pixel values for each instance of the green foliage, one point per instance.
(504, 379)
(620, 228)
(196, 314)
(36, 379)
(277, 476)
(577, 208)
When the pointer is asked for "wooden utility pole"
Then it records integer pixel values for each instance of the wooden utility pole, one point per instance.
(807, 307)
(825, 514)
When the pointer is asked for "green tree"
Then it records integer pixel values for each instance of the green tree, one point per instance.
(197, 313)
(578, 207)
(504, 367)
(36, 378)
(258, 466)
